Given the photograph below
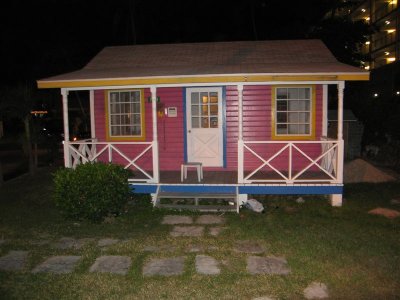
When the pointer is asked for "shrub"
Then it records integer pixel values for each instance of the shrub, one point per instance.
(92, 191)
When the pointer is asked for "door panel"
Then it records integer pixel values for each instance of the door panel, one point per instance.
(204, 126)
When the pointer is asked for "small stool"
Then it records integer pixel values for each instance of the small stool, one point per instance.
(197, 165)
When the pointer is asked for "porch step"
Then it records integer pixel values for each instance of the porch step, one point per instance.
(196, 195)
(194, 200)
(202, 208)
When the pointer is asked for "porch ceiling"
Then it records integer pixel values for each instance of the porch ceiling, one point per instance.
(251, 61)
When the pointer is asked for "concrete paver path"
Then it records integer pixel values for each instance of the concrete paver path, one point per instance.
(107, 242)
(57, 265)
(112, 264)
(164, 266)
(72, 243)
(176, 219)
(316, 290)
(193, 231)
(207, 265)
(210, 219)
(267, 265)
(14, 261)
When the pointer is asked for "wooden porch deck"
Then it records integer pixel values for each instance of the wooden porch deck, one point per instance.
(231, 177)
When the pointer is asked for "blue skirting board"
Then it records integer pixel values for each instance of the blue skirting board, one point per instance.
(243, 189)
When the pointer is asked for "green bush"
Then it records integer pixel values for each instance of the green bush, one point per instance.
(92, 191)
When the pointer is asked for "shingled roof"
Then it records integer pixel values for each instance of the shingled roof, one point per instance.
(207, 59)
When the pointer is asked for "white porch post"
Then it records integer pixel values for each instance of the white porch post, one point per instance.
(242, 198)
(240, 133)
(92, 119)
(67, 157)
(156, 168)
(325, 110)
(336, 199)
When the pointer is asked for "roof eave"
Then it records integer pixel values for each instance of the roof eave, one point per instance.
(196, 79)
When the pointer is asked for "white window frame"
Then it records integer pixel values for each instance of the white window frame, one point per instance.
(122, 113)
(311, 112)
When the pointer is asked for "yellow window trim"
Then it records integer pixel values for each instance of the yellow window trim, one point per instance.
(309, 137)
(110, 138)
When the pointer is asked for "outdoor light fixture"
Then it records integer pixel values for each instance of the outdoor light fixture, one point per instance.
(387, 53)
(387, 22)
(363, 10)
(367, 42)
(391, 59)
(376, 95)
(367, 18)
(398, 93)
(391, 30)
(366, 67)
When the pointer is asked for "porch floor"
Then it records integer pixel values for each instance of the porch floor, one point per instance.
(231, 177)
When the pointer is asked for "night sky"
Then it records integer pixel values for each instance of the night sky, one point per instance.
(47, 37)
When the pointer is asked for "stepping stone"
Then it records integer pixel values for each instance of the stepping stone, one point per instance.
(164, 266)
(14, 261)
(267, 265)
(195, 231)
(71, 243)
(316, 290)
(151, 249)
(40, 242)
(57, 265)
(210, 219)
(386, 212)
(65, 243)
(107, 242)
(248, 247)
(215, 231)
(207, 265)
(82, 242)
(174, 219)
(112, 264)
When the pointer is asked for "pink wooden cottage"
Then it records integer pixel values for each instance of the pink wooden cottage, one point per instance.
(250, 117)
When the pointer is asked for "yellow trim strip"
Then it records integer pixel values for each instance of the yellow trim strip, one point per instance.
(142, 137)
(197, 79)
(313, 115)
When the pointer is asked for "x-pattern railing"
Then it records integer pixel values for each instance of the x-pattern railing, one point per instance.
(90, 150)
(324, 162)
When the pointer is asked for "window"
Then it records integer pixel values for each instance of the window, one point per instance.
(125, 117)
(204, 106)
(293, 112)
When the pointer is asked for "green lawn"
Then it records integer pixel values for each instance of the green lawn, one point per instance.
(355, 254)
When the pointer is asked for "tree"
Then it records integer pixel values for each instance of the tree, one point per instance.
(17, 101)
(344, 38)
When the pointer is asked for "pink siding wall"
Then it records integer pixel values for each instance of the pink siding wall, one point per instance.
(256, 127)
(170, 130)
(256, 119)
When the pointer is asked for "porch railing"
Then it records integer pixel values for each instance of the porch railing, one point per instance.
(278, 161)
(90, 150)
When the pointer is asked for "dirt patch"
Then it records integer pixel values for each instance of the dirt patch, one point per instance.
(359, 170)
(388, 213)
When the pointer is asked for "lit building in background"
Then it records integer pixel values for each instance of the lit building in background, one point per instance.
(382, 47)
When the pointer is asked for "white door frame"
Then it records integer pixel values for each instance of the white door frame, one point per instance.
(189, 129)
